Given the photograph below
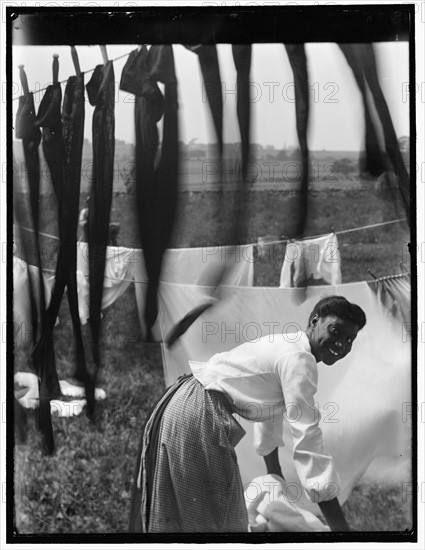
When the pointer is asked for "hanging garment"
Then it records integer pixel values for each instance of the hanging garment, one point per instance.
(361, 58)
(189, 479)
(242, 59)
(237, 231)
(50, 119)
(73, 138)
(27, 130)
(272, 508)
(210, 69)
(68, 149)
(156, 185)
(361, 399)
(394, 293)
(311, 262)
(373, 161)
(118, 276)
(298, 61)
(101, 93)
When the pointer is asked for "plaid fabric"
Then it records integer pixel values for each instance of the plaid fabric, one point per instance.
(189, 477)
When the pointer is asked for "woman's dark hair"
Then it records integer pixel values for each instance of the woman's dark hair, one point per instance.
(341, 307)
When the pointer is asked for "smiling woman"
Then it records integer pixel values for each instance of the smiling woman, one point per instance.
(333, 327)
(188, 478)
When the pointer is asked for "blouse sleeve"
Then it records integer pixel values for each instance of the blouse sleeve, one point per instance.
(268, 435)
(315, 467)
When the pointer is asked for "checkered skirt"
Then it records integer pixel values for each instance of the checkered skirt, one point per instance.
(189, 478)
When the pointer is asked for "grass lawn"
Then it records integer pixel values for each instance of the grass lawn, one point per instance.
(85, 487)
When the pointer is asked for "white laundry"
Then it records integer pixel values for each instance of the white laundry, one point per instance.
(119, 276)
(21, 298)
(272, 507)
(71, 390)
(26, 388)
(311, 262)
(67, 409)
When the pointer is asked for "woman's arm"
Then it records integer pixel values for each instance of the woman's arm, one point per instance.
(272, 463)
(334, 515)
(331, 509)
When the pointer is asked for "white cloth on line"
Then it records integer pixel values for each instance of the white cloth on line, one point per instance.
(311, 262)
(361, 398)
(21, 298)
(272, 507)
(119, 275)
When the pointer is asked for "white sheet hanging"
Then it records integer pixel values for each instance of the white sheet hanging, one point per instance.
(195, 266)
(362, 398)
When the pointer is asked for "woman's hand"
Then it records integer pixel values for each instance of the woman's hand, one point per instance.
(334, 515)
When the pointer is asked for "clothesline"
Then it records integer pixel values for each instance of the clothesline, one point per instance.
(66, 80)
(344, 231)
(390, 277)
(371, 226)
(375, 280)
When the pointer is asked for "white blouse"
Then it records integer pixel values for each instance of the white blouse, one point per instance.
(271, 380)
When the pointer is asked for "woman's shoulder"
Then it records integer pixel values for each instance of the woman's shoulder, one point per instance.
(289, 342)
(295, 348)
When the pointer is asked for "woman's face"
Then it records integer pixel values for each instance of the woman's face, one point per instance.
(331, 338)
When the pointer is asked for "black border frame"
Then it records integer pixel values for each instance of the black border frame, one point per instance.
(192, 25)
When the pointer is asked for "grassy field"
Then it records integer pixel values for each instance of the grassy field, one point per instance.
(85, 487)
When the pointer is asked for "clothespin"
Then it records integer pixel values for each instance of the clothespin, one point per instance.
(104, 54)
(75, 60)
(24, 80)
(403, 267)
(373, 275)
(55, 68)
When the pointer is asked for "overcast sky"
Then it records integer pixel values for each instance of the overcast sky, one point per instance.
(336, 121)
